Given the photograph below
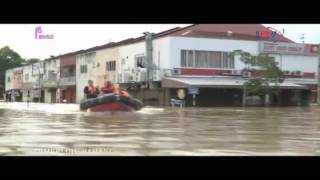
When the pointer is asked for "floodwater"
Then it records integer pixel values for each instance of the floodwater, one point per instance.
(62, 130)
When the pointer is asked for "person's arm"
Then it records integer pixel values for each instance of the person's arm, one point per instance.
(97, 91)
(101, 91)
(86, 91)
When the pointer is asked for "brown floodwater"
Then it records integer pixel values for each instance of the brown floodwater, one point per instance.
(62, 130)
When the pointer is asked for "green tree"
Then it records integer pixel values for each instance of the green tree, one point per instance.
(8, 59)
(270, 74)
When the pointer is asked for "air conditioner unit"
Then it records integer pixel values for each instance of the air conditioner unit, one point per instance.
(156, 75)
(127, 78)
(236, 72)
(167, 72)
(176, 71)
(246, 74)
(286, 73)
(141, 76)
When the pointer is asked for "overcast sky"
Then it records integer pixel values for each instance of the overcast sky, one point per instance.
(73, 37)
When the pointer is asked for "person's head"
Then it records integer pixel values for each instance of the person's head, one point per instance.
(90, 82)
(108, 83)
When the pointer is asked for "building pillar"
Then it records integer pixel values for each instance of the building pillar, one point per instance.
(280, 98)
(266, 99)
(244, 96)
(166, 97)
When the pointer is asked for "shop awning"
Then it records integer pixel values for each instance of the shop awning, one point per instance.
(216, 82)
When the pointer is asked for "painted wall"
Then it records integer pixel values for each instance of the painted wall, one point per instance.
(47, 96)
(67, 60)
(128, 53)
(127, 57)
(51, 65)
(82, 78)
(307, 64)
(28, 83)
(297, 63)
(102, 57)
(17, 78)
(8, 84)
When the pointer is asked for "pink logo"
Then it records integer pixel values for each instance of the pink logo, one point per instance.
(38, 34)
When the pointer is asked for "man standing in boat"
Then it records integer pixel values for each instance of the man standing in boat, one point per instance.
(91, 91)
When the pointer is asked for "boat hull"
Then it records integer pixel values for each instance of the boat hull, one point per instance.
(115, 106)
(111, 103)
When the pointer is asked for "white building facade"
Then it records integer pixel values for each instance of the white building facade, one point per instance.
(51, 80)
(86, 68)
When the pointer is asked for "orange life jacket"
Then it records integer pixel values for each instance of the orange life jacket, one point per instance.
(92, 89)
(108, 89)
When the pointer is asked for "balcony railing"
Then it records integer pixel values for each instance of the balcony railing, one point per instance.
(50, 84)
(67, 81)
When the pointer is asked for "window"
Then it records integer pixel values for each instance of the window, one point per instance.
(26, 77)
(9, 79)
(206, 59)
(140, 61)
(202, 59)
(190, 59)
(83, 69)
(111, 66)
(183, 58)
(224, 60)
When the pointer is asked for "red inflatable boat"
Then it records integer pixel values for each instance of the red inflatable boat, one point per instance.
(111, 102)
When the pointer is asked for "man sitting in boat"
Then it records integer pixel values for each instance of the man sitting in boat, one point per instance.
(91, 91)
(108, 88)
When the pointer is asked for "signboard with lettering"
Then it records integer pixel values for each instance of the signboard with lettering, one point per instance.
(193, 90)
(282, 48)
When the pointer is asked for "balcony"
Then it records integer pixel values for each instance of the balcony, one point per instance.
(50, 81)
(27, 85)
(50, 84)
(68, 81)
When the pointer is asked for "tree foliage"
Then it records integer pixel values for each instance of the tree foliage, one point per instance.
(270, 74)
(8, 59)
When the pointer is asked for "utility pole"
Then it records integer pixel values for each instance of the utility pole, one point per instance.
(148, 38)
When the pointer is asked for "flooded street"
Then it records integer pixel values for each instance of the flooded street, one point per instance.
(61, 129)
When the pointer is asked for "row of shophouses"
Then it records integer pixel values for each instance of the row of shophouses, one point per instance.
(155, 66)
